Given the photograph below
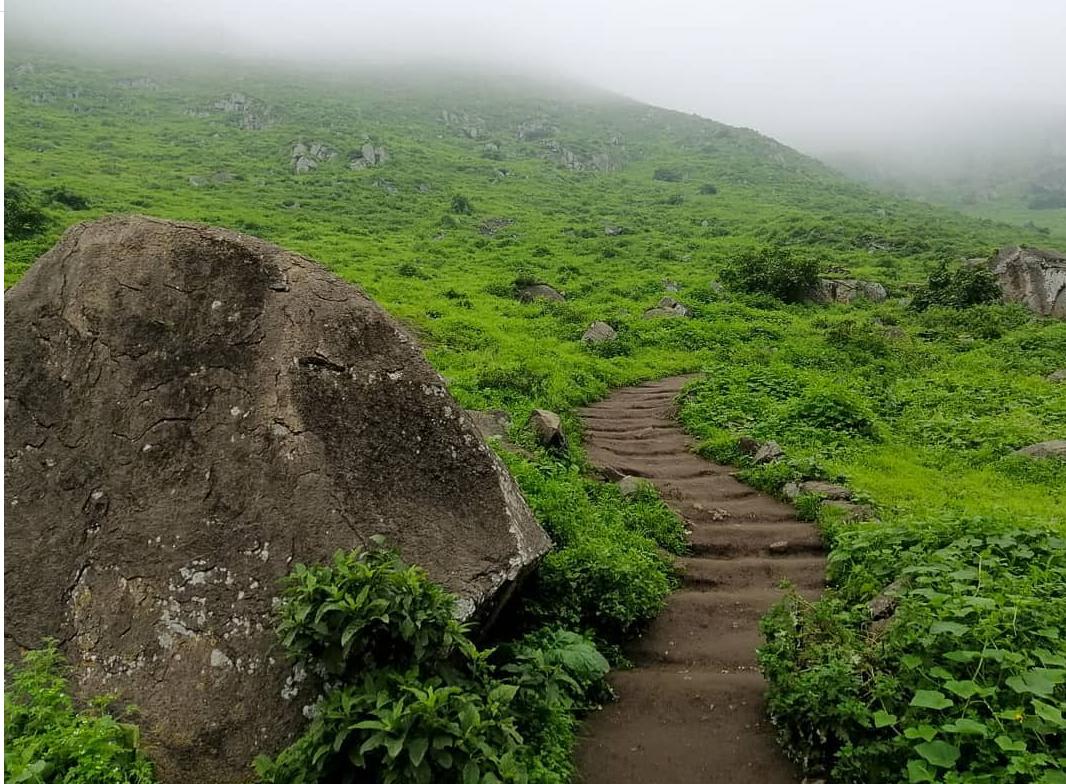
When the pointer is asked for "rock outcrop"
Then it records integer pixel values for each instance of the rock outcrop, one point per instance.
(846, 291)
(366, 156)
(305, 157)
(190, 412)
(1034, 278)
(599, 332)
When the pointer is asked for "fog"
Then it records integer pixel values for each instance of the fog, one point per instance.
(909, 80)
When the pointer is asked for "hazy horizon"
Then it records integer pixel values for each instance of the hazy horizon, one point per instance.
(910, 83)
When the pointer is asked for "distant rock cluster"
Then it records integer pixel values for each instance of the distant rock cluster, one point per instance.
(366, 156)
(306, 157)
(253, 116)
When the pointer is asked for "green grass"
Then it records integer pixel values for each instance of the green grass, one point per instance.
(917, 412)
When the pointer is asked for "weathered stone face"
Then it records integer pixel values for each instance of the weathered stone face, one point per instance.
(191, 411)
(1033, 277)
(846, 291)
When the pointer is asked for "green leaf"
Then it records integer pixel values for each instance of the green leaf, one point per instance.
(1052, 777)
(1036, 681)
(1049, 713)
(918, 771)
(416, 749)
(939, 753)
(884, 719)
(965, 727)
(964, 689)
(1007, 743)
(948, 627)
(471, 773)
(933, 700)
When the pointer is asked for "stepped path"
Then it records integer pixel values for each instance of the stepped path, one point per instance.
(691, 709)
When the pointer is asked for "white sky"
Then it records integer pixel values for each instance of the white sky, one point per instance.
(822, 75)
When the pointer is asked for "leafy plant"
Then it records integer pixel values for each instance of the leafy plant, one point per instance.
(48, 740)
(959, 287)
(23, 216)
(774, 271)
(461, 205)
(367, 610)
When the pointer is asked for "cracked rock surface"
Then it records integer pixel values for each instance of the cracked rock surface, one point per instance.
(189, 412)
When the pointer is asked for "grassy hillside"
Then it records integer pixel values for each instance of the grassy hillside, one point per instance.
(489, 183)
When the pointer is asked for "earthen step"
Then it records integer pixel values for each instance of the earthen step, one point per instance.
(677, 726)
(769, 539)
(766, 572)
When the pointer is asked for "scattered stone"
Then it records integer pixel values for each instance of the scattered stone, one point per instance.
(884, 604)
(599, 332)
(828, 490)
(539, 291)
(852, 512)
(631, 485)
(423, 187)
(613, 231)
(827, 291)
(491, 424)
(1058, 377)
(748, 445)
(182, 428)
(548, 428)
(768, 453)
(490, 227)
(669, 285)
(1055, 448)
(1033, 277)
(668, 307)
(779, 548)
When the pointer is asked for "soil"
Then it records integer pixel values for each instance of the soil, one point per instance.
(691, 710)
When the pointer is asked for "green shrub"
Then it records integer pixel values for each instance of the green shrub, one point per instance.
(461, 205)
(47, 740)
(68, 198)
(774, 271)
(708, 189)
(835, 410)
(23, 216)
(409, 697)
(401, 727)
(667, 175)
(366, 610)
(966, 680)
(959, 287)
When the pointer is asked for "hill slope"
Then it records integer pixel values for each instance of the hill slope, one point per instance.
(440, 195)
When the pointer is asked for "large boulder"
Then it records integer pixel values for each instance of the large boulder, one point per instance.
(1033, 277)
(190, 412)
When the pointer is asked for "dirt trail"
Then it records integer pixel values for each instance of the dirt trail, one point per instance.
(691, 709)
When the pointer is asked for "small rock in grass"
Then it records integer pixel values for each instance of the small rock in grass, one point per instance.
(852, 512)
(630, 485)
(748, 445)
(768, 453)
(599, 332)
(1055, 448)
(539, 291)
(1058, 377)
(548, 428)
